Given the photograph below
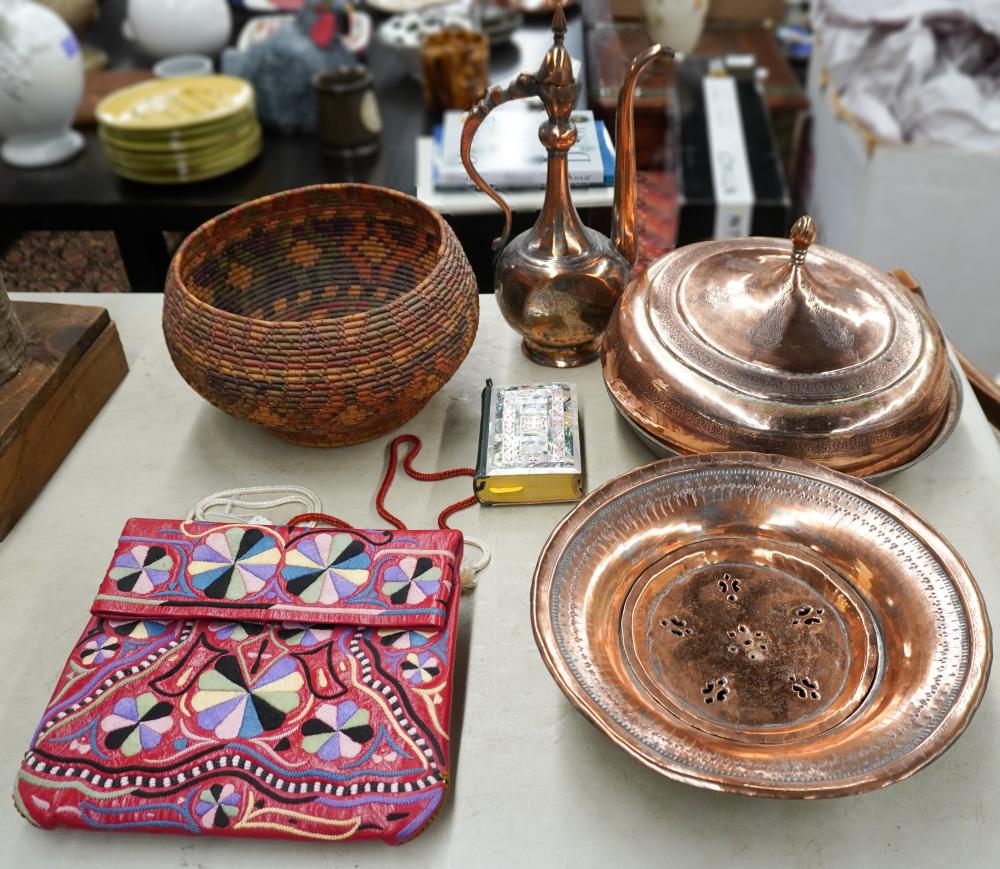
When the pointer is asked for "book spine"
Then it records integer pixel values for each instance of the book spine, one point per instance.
(447, 179)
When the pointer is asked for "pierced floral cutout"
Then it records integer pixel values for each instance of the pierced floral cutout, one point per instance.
(405, 638)
(137, 724)
(411, 581)
(305, 636)
(326, 568)
(217, 805)
(234, 563)
(142, 629)
(337, 730)
(236, 630)
(420, 668)
(232, 707)
(141, 569)
(100, 649)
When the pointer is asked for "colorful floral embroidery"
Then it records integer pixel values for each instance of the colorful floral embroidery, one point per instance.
(338, 730)
(236, 630)
(412, 580)
(234, 563)
(141, 569)
(99, 649)
(209, 699)
(326, 568)
(231, 706)
(404, 638)
(305, 636)
(217, 805)
(142, 629)
(137, 724)
(420, 668)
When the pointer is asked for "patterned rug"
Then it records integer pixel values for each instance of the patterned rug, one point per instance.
(63, 262)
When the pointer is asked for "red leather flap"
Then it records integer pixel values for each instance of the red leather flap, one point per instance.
(168, 568)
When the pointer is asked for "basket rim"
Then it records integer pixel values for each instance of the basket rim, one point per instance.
(174, 277)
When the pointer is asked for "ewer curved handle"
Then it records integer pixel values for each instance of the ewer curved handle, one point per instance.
(525, 85)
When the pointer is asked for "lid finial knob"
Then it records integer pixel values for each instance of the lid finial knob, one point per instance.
(802, 235)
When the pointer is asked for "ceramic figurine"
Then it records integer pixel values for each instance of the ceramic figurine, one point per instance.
(167, 27)
(41, 84)
(282, 67)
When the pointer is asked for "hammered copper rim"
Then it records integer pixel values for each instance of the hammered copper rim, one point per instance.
(956, 400)
(761, 625)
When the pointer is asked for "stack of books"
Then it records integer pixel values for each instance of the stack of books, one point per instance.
(508, 154)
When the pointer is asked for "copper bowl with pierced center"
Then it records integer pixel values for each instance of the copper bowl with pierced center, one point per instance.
(780, 346)
(762, 625)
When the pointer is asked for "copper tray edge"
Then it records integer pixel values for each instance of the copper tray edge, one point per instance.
(951, 728)
(956, 401)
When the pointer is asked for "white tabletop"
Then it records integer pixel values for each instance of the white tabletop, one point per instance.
(534, 783)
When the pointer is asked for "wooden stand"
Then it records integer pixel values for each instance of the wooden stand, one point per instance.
(73, 362)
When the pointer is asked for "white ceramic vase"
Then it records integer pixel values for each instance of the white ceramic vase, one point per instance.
(41, 84)
(677, 23)
(167, 27)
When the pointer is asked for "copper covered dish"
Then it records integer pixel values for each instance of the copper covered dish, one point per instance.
(779, 346)
(762, 625)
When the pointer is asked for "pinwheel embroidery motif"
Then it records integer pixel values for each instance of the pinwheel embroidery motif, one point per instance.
(420, 668)
(137, 724)
(234, 563)
(412, 581)
(217, 805)
(232, 706)
(141, 569)
(405, 638)
(99, 649)
(326, 568)
(338, 730)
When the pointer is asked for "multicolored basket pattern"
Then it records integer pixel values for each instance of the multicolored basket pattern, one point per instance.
(329, 314)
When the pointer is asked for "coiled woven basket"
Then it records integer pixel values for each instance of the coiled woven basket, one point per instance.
(329, 314)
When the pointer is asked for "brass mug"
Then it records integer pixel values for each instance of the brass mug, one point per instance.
(348, 119)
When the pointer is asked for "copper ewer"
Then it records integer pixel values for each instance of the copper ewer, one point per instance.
(557, 283)
(783, 347)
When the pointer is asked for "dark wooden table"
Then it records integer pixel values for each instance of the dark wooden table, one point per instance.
(84, 194)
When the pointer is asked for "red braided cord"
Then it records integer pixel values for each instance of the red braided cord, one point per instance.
(383, 490)
(390, 472)
(325, 518)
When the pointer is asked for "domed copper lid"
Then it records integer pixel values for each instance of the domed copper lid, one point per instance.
(778, 346)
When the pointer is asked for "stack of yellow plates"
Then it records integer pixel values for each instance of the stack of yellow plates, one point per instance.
(178, 130)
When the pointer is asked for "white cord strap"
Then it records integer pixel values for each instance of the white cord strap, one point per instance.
(470, 570)
(219, 506)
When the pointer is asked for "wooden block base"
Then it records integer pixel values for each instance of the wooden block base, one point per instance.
(74, 362)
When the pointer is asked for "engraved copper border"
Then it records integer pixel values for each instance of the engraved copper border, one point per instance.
(956, 400)
(587, 543)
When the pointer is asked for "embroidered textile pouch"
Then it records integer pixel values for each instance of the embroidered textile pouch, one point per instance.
(255, 681)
